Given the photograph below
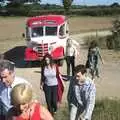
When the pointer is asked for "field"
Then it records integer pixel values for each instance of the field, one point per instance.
(11, 29)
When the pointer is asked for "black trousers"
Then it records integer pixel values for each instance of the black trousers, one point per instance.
(51, 97)
(70, 60)
(2, 117)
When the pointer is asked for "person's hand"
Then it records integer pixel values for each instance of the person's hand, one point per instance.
(41, 87)
(103, 62)
(83, 117)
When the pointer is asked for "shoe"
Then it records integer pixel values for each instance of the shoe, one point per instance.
(93, 79)
(98, 76)
(55, 112)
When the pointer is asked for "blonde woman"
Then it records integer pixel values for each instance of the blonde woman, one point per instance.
(70, 57)
(23, 106)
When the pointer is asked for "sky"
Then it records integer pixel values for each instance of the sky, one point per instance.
(83, 2)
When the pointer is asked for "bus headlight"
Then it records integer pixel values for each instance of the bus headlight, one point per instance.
(35, 49)
(50, 48)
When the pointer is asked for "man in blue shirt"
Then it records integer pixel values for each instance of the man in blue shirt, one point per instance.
(81, 95)
(7, 82)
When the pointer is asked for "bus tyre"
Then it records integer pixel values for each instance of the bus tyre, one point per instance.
(60, 62)
(28, 64)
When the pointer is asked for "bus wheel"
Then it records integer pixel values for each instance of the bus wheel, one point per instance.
(60, 62)
(28, 64)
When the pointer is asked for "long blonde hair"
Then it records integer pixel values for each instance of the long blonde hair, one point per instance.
(21, 94)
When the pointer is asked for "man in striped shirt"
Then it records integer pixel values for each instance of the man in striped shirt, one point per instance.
(81, 95)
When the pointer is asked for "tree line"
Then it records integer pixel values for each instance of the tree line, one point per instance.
(21, 9)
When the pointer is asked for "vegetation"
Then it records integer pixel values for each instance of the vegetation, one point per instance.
(67, 4)
(101, 41)
(110, 41)
(21, 9)
(104, 110)
(113, 41)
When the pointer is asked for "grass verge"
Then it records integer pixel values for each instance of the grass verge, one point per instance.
(104, 110)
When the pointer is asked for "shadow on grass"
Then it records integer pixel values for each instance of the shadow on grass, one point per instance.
(16, 55)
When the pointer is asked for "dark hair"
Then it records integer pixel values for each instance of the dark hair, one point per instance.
(93, 44)
(80, 68)
(1, 56)
(47, 56)
(68, 41)
(44, 64)
(6, 64)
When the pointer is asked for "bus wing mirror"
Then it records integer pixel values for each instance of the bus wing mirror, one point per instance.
(23, 35)
(67, 31)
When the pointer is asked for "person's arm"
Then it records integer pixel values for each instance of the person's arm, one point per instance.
(42, 78)
(90, 104)
(75, 52)
(45, 114)
(70, 90)
(76, 47)
(11, 114)
(100, 55)
(75, 42)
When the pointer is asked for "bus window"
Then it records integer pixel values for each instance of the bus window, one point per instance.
(37, 31)
(51, 30)
(62, 30)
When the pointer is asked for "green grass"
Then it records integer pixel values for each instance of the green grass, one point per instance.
(104, 110)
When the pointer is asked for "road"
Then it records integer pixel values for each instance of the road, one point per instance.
(107, 85)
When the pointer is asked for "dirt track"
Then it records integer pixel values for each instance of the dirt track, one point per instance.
(107, 85)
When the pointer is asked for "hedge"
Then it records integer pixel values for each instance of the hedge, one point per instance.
(37, 10)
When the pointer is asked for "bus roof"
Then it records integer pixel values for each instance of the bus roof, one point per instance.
(49, 20)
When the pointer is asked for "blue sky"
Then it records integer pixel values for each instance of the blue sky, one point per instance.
(84, 2)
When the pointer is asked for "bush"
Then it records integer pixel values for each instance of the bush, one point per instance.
(113, 41)
(14, 5)
(101, 41)
(110, 42)
(35, 9)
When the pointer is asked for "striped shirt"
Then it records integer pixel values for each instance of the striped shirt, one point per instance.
(84, 95)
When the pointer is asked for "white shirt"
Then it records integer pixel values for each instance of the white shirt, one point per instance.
(50, 75)
(70, 51)
(19, 80)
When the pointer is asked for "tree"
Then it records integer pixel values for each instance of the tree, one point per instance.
(67, 4)
(115, 4)
(22, 1)
(116, 33)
